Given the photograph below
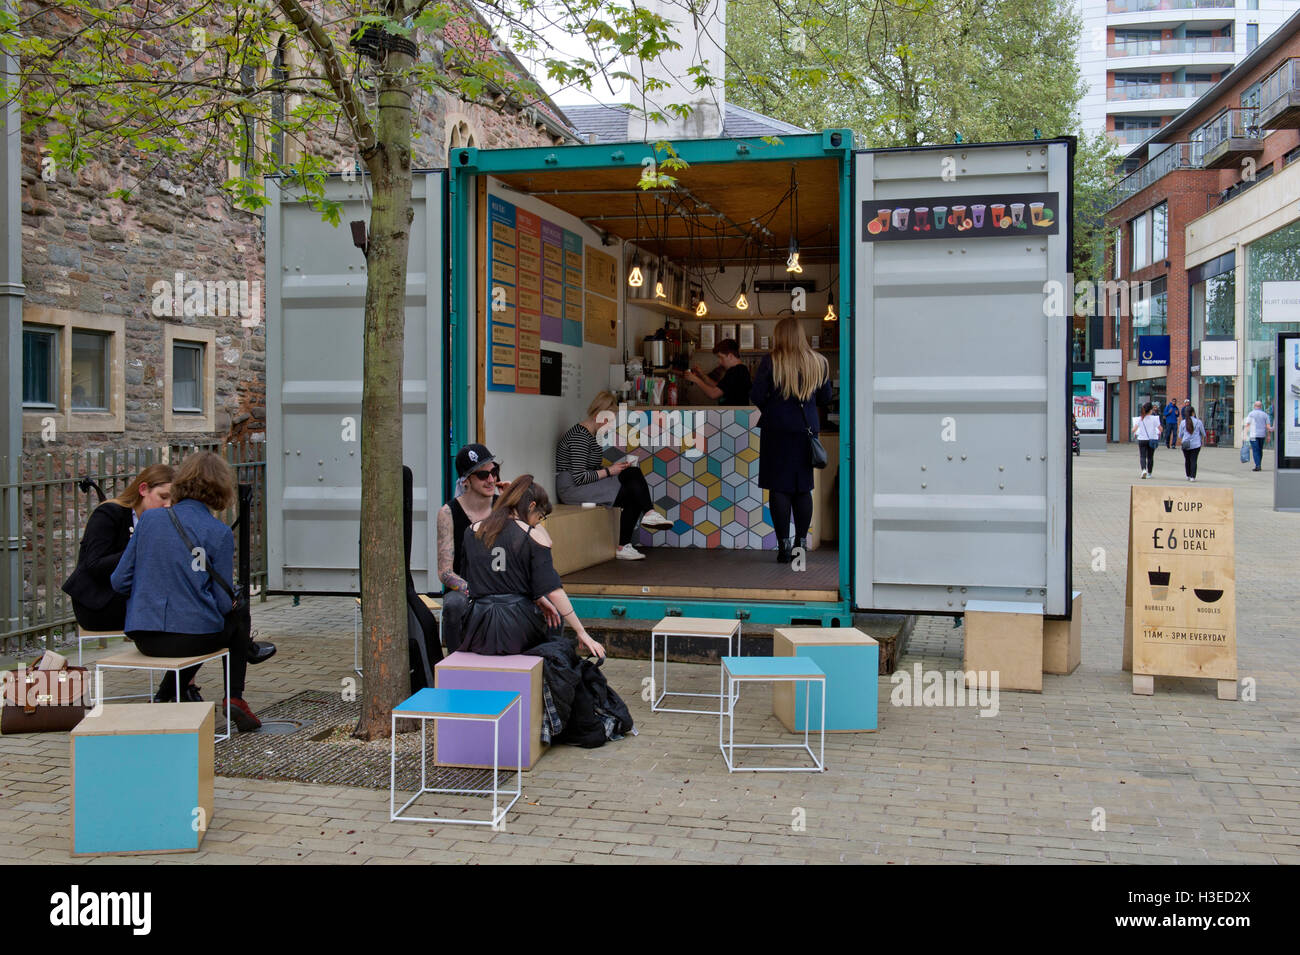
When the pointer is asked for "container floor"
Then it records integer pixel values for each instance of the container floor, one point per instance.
(703, 572)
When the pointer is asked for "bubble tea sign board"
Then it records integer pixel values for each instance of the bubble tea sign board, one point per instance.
(1181, 611)
(949, 217)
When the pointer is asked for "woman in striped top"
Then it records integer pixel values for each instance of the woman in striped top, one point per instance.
(582, 477)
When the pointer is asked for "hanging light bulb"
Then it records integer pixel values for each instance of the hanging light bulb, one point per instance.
(742, 303)
(635, 279)
(701, 310)
(830, 315)
(792, 260)
(659, 290)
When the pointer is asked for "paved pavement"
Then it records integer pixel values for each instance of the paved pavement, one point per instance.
(1180, 776)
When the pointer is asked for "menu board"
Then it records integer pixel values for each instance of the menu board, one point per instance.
(1020, 214)
(1182, 583)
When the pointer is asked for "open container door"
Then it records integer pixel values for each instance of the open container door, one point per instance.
(960, 364)
(316, 291)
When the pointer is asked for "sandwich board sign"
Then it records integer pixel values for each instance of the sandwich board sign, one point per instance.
(1180, 614)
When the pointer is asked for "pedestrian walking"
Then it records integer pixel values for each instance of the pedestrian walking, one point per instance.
(1259, 425)
(1147, 434)
(1170, 417)
(789, 386)
(1191, 438)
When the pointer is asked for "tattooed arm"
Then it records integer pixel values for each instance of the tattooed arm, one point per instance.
(447, 552)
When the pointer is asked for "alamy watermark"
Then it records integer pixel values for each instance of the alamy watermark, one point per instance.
(946, 688)
(208, 299)
(672, 428)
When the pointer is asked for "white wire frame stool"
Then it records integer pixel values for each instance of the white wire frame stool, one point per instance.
(468, 706)
(736, 670)
(103, 635)
(710, 628)
(135, 660)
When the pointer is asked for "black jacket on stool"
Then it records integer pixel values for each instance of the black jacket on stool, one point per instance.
(94, 602)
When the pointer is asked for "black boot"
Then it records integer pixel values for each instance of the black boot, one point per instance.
(783, 555)
(800, 547)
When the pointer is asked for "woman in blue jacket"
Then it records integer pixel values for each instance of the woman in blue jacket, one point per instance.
(174, 606)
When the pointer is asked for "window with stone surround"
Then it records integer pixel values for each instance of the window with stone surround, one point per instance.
(189, 390)
(74, 370)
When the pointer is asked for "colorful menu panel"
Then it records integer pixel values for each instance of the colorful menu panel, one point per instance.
(569, 272)
(502, 296)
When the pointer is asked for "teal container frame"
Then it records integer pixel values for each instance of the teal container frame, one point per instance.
(465, 165)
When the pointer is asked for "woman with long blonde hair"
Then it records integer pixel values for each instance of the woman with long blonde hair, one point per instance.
(790, 384)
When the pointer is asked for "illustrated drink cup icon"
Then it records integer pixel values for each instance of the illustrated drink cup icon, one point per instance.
(978, 215)
(1159, 580)
(900, 218)
(998, 210)
(922, 223)
(882, 216)
(941, 219)
(1017, 213)
(1036, 213)
(958, 215)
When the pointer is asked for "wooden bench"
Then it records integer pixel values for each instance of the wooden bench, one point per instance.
(582, 537)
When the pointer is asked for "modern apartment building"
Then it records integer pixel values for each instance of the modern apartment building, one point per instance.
(1200, 231)
(1145, 61)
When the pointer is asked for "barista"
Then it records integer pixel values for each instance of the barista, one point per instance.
(733, 387)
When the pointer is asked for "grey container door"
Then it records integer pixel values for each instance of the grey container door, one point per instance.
(961, 459)
(316, 289)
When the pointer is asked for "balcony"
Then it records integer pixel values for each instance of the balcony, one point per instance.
(1148, 91)
(1230, 137)
(1151, 6)
(1279, 97)
(1179, 46)
(1176, 156)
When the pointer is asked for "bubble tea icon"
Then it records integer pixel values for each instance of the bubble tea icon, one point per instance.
(1017, 213)
(977, 213)
(882, 216)
(959, 217)
(922, 221)
(1036, 214)
(999, 212)
(900, 219)
(940, 217)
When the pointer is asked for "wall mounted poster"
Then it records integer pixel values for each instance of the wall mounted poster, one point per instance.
(1090, 409)
(602, 273)
(1181, 618)
(1018, 215)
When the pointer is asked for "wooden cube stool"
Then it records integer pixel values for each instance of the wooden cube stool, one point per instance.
(470, 744)
(1006, 637)
(1063, 639)
(133, 659)
(142, 779)
(851, 661)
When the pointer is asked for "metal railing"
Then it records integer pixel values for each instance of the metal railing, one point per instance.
(1232, 123)
(1147, 6)
(1285, 79)
(1176, 156)
(53, 500)
(1177, 46)
(1146, 91)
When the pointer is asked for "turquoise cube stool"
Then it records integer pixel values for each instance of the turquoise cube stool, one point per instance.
(142, 779)
(851, 661)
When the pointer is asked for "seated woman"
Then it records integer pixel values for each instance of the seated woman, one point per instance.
(508, 569)
(96, 605)
(582, 477)
(174, 606)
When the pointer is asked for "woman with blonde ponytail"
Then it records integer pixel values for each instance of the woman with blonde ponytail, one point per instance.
(790, 385)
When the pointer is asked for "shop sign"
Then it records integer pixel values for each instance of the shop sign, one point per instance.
(1218, 358)
(1279, 302)
(1019, 214)
(1108, 363)
(1153, 350)
(1181, 608)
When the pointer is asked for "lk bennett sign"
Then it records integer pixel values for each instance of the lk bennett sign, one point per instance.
(947, 217)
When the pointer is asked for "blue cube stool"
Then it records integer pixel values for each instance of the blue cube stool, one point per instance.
(142, 779)
(472, 706)
(851, 661)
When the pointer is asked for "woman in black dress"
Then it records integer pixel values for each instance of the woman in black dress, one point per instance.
(508, 569)
(94, 602)
(789, 386)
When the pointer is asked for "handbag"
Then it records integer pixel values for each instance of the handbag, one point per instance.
(47, 697)
(816, 450)
(238, 627)
(1245, 452)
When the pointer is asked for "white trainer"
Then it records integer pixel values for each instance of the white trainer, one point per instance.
(1144, 474)
(654, 521)
(628, 552)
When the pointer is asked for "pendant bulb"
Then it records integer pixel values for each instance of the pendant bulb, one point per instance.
(635, 278)
(792, 263)
(701, 310)
(742, 303)
(830, 315)
(659, 290)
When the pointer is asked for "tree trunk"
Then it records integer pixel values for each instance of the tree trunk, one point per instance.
(383, 574)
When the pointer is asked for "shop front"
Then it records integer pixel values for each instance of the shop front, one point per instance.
(1213, 365)
(1272, 274)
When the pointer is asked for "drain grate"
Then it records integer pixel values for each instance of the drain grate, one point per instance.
(315, 747)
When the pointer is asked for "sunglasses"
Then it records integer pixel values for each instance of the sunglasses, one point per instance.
(494, 471)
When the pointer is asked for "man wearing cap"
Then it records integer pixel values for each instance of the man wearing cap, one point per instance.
(478, 477)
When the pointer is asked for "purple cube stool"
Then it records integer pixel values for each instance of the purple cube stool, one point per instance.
(470, 744)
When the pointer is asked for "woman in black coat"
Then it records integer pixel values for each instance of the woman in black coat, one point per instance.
(94, 602)
(790, 384)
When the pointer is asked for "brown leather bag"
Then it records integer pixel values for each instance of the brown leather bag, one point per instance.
(47, 697)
